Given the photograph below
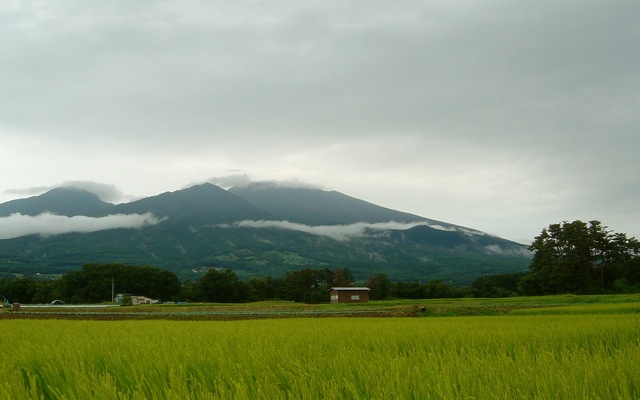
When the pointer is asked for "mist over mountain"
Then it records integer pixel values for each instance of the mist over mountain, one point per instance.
(259, 229)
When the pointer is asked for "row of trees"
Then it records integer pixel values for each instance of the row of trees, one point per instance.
(29, 290)
(93, 284)
(98, 283)
(309, 286)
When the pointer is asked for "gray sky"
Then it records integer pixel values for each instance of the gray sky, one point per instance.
(503, 116)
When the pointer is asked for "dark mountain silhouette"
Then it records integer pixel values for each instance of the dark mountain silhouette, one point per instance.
(60, 201)
(317, 207)
(204, 226)
(204, 203)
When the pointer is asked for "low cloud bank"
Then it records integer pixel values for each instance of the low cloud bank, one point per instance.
(230, 181)
(46, 224)
(508, 251)
(242, 180)
(338, 232)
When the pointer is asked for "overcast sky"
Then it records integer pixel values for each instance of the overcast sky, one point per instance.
(503, 116)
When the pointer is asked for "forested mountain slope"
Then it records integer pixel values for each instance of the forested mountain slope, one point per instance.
(258, 230)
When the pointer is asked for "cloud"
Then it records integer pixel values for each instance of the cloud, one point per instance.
(17, 225)
(337, 232)
(230, 181)
(241, 180)
(106, 192)
(296, 183)
(499, 115)
(452, 229)
(292, 183)
(507, 250)
(30, 191)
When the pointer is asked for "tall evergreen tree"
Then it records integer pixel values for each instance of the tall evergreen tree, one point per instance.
(574, 257)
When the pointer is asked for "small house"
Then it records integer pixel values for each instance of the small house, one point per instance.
(349, 294)
(125, 298)
(137, 300)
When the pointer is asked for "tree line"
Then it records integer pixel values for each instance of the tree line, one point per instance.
(96, 283)
(310, 286)
(93, 283)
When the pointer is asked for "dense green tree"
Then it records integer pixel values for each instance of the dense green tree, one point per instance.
(93, 283)
(189, 291)
(221, 286)
(18, 290)
(29, 290)
(308, 285)
(409, 290)
(626, 277)
(266, 288)
(380, 285)
(342, 278)
(498, 285)
(436, 289)
(575, 257)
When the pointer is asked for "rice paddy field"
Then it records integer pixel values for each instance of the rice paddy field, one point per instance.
(587, 351)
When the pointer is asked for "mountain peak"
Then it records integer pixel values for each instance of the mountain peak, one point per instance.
(66, 201)
(204, 201)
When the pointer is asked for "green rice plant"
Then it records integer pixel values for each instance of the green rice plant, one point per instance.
(525, 357)
(614, 308)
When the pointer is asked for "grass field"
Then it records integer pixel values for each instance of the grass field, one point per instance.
(589, 350)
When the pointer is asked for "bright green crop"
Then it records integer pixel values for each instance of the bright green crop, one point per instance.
(505, 357)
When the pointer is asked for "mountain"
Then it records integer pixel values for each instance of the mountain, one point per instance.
(256, 230)
(317, 207)
(204, 203)
(61, 201)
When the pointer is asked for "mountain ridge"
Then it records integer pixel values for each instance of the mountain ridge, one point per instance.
(65, 201)
(259, 231)
(335, 207)
(206, 201)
